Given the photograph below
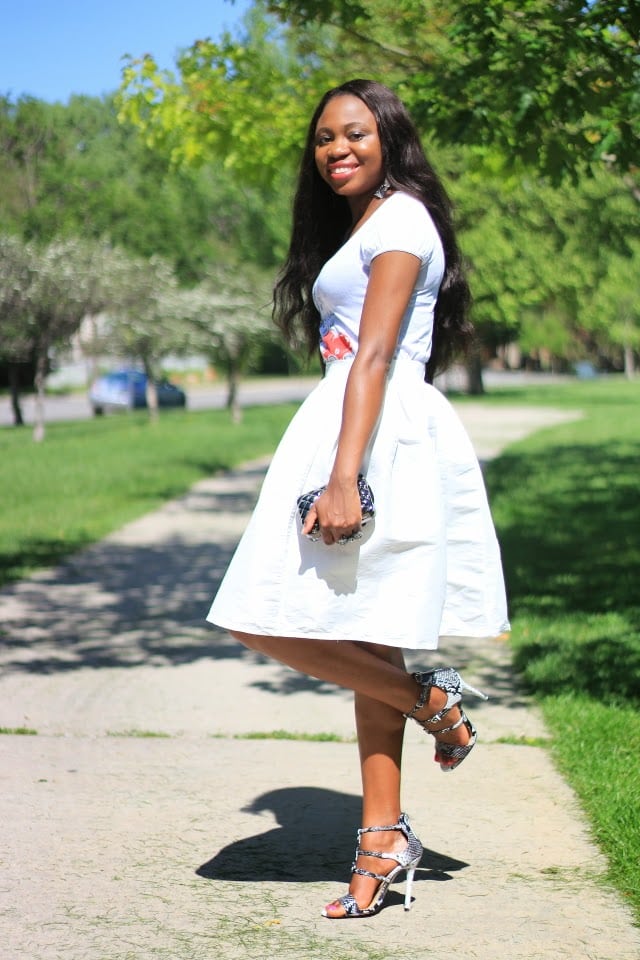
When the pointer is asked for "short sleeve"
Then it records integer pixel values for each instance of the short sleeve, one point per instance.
(401, 224)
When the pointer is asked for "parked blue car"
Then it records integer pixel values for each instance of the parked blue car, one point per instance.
(127, 390)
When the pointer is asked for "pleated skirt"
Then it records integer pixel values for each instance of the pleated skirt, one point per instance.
(428, 564)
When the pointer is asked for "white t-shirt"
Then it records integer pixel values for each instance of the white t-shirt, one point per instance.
(401, 223)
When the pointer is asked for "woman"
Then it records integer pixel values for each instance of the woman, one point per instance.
(373, 263)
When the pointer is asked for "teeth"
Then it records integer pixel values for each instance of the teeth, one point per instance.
(341, 169)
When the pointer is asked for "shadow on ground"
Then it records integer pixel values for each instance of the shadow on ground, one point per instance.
(122, 604)
(313, 824)
(118, 606)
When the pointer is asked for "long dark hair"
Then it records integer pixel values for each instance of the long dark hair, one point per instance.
(321, 220)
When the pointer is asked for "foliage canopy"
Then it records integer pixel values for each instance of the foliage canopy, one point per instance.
(555, 83)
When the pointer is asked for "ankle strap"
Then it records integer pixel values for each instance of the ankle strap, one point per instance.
(402, 825)
(425, 689)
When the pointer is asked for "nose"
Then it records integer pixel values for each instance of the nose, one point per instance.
(338, 148)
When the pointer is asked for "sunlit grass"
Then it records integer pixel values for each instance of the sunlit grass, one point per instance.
(568, 513)
(597, 747)
(90, 477)
(292, 735)
(140, 734)
(570, 393)
(567, 508)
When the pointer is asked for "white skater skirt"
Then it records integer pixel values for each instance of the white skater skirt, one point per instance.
(428, 564)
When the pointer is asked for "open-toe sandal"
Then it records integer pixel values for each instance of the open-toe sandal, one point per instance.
(448, 755)
(407, 859)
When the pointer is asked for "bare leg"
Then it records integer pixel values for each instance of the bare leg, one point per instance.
(361, 667)
(380, 734)
(351, 665)
(384, 691)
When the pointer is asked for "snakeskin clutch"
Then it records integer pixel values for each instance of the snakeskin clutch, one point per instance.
(306, 501)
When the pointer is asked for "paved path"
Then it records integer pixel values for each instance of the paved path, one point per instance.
(206, 843)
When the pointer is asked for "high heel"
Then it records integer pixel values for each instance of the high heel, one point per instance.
(407, 859)
(448, 755)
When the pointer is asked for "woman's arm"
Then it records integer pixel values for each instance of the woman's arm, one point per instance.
(391, 282)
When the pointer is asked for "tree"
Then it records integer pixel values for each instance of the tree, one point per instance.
(614, 311)
(59, 294)
(554, 83)
(145, 314)
(45, 292)
(74, 170)
(240, 101)
(522, 94)
(539, 255)
(26, 135)
(230, 319)
(16, 266)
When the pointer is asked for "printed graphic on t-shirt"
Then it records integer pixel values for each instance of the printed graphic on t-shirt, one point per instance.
(334, 345)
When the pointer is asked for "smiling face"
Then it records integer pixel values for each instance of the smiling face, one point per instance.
(348, 152)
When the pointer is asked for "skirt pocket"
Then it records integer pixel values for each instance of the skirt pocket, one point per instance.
(413, 503)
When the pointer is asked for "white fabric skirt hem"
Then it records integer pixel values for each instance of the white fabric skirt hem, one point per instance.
(427, 566)
(400, 642)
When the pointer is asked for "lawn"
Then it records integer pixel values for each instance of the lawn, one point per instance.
(88, 478)
(567, 508)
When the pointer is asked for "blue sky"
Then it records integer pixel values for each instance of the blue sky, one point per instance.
(51, 49)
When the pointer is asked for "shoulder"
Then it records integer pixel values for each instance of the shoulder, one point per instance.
(400, 201)
(401, 223)
(403, 206)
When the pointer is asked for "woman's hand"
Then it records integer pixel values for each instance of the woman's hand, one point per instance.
(338, 512)
(392, 278)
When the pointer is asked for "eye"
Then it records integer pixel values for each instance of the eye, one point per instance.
(322, 139)
(356, 135)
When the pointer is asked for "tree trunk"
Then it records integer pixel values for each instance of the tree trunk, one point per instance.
(92, 356)
(151, 393)
(14, 387)
(233, 400)
(475, 386)
(40, 377)
(629, 362)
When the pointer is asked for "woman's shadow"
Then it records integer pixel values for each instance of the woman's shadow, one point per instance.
(313, 842)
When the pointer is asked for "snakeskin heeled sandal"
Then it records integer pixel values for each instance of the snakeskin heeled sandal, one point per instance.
(448, 755)
(407, 859)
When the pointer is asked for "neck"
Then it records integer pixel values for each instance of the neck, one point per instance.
(361, 209)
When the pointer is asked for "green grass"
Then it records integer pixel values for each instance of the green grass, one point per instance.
(523, 741)
(570, 394)
(289, 735)
(18, 731)
(567, 507)
(141, 734)
(88, 478)
(597, 747)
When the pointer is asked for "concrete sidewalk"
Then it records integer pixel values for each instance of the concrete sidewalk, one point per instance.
(203, 843)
